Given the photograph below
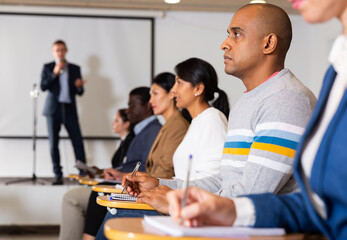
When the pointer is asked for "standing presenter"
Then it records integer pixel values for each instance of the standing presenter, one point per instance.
(63, 81)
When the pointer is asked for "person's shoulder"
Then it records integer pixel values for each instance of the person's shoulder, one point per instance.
(129, 137)
(289, 81)
(285, 84)
(294, 86)
(177, 125)
(213, 114)
(49, 64)
(154, 124)
(178, 120)
(72, 65)
(211, 117)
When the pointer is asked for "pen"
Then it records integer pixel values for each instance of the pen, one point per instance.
(132, 174)
(185, 194)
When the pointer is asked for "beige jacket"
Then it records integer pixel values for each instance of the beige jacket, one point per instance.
(159, 162)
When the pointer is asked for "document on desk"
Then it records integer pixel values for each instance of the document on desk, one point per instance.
(167, 225)
(122, 197)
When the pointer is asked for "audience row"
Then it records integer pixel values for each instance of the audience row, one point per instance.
(242, 169)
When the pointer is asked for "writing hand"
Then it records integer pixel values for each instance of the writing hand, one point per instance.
(140, 182)
(203, 208)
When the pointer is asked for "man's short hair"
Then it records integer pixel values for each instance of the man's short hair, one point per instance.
(59, 41)
(143, 93)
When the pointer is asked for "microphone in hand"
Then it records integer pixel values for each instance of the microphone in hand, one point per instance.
(59, 67)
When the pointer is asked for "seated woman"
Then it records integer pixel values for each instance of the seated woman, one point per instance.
(123, 127)
(72, 223)
(196, 86)
(159, 162)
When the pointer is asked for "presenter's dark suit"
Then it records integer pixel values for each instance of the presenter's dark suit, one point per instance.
(62, 113)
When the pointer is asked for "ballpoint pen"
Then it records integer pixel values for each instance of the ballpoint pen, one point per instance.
(186, 184)
(132, 174)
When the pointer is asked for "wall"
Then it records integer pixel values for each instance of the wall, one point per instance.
(181, 35)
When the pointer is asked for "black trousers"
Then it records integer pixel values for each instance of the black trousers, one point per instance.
(65, 115)
(95, 214)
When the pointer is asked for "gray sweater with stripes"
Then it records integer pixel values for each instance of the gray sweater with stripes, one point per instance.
(264, 128)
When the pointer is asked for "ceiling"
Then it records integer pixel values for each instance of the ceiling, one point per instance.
(160, 5)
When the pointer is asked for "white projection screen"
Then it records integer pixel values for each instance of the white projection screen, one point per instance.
(115, 55)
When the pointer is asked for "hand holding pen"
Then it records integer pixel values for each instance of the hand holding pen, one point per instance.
(202, 208)
(132, 174)
(139, 182)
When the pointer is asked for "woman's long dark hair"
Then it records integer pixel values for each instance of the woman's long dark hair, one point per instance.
(195, 71)
(165, 80)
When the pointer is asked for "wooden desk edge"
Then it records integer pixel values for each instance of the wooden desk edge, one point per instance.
(106, 189)
(132, 228)
(76, 177)
(88, 181)
(103, 201)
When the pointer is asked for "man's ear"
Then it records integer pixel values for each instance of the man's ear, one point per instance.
(270, 43)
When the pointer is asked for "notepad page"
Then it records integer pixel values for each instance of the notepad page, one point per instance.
(167, 225)
(122, 197)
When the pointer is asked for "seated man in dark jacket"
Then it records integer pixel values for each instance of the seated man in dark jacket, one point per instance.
(146, 128)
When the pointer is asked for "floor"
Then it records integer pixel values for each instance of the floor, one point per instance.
(29, 232)
(32, 237)
(35, 232)
(32, 181)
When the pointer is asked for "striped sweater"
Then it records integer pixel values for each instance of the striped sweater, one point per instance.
(264, 128)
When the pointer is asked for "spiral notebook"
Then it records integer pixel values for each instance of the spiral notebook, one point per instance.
(167, 225)
(122, 197)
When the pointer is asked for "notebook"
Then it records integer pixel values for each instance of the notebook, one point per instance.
(167, 225)
(122, 197)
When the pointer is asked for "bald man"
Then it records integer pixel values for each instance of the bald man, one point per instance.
(265, 125)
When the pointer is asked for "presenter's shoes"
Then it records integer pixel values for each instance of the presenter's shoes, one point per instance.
(58, 181)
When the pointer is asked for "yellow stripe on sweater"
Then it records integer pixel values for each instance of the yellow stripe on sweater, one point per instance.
(274, 148)
(236, 151)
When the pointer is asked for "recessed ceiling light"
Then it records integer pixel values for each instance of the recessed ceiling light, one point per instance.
(172, 1)
(258, 1)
